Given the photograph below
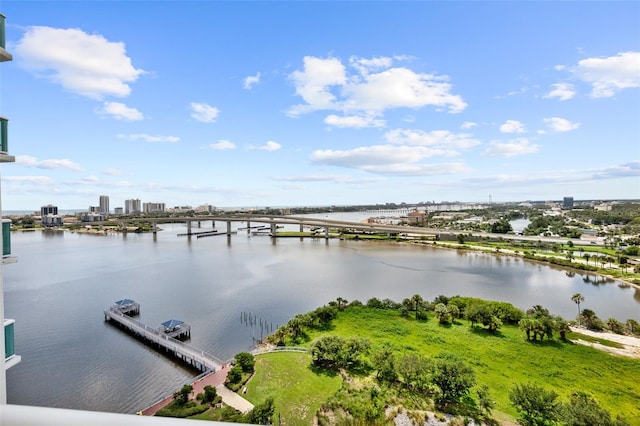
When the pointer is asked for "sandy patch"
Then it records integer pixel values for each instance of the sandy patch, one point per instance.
(631, 344)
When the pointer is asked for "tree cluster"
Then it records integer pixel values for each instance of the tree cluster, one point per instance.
(540, 407)
(539, 323)
(318, 319)
(336, 352)
(243, 368)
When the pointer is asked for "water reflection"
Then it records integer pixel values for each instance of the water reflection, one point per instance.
(597, 280)
(52, 233)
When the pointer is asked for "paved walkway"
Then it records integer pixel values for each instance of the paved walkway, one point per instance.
(217, 381)
(233, 399)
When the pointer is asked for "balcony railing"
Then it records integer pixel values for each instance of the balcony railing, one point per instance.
(2, 37)
(10, 357)
(6, 237)
(4, 55)
(4, 135)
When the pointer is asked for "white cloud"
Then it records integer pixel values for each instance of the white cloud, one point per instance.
(222, 145)
(512, 126)
(120, 111)
(86, 64)
(388, 159)
(113, 172)
(38, 180)
(468, 125)
(327, 178)
(419, 169)
(442, 138)
(90, 179)
(251, 80)
(374, 155)
(63, 164)
(203, 112)
(373, 87)
(313, 84)
(400, 88)
(510, 149)
(269, 146)
(562, 91)
(149, 138)
(610, 75)
(629, 169)
(353, 121)
(560, 124)
(365, 66)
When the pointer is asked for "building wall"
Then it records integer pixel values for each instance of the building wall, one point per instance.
(153, 207)
(104, 204)
(48, 209)
(132, 206)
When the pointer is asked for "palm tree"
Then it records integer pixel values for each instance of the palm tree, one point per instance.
(586, 256)
(562, 326)
(417, 302)
(578, 298)
(342, 303)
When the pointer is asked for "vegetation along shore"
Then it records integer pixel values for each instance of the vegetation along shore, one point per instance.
(454, 360)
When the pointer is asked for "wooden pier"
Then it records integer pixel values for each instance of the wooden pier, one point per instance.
(163, 341)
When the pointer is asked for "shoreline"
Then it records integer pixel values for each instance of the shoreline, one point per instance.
(511, 253)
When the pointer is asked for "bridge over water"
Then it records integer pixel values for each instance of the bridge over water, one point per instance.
(273, 221)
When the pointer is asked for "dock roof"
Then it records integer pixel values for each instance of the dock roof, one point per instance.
(172, 323)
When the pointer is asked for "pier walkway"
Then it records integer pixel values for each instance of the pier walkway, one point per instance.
(185, 352)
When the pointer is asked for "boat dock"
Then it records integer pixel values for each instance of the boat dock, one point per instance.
(164, 338)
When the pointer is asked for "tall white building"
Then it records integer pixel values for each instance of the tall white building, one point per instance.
(104, 204)
(7, 348)
(132, 206)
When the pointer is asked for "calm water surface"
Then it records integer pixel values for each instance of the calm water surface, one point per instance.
(71, 358)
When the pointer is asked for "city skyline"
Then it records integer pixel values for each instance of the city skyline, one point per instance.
(240, 104)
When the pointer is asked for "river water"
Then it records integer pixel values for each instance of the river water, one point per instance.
(62, 283)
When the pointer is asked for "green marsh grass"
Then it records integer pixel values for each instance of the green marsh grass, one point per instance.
(503, 359)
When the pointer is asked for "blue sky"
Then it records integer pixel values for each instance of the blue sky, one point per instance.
(319, 103)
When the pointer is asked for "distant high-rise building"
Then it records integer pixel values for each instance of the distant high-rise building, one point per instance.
(132, 206)
(118, 210)
(48, 209)
(153, 207)
(567, 202)
(104, 204)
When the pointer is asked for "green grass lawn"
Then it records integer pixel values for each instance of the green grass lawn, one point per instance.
(297, 390)
(503, 359)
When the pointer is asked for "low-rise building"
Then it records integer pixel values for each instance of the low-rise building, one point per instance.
(416, 217)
